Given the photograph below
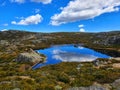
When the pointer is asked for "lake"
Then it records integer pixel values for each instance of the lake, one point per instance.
(68, 53)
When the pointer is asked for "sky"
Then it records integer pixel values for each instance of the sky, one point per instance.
(60, 15)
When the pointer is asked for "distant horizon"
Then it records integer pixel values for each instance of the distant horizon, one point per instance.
(60, 15)
(58, 31)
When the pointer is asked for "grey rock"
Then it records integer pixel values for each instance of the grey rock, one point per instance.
(93, 87)
(5, 82)
(16, 89)
(116, 84)
(107, 38)
(30, 56)
(4, 42)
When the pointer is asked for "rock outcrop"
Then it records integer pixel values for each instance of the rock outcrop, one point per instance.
(107, 38)
(116, 65)
(116, 84)
(30, 56)
(113, 86)
(93, 87)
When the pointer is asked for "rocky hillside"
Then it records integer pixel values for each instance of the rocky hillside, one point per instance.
(13, 40)
(108, 38)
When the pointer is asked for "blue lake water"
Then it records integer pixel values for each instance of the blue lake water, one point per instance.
(68, 53)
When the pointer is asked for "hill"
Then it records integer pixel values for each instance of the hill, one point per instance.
(12, 40)
(16, 50)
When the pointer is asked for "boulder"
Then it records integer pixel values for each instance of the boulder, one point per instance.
(89, 88)
(116, 65)
(95, 86)
(30, 56)
(116, 84)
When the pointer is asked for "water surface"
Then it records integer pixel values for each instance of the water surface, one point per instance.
(68, 53)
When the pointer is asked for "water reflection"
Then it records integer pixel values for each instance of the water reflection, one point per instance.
(68, 53)
(72, 56)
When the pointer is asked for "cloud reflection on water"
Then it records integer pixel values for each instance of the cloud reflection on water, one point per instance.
(71, 56)
(80, 47)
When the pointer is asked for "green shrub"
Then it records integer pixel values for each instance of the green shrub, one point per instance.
(63, 78)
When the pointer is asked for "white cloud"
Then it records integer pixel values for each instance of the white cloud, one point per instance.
(4, 30)
(37, 10)
(77, 10)
(19, 17)
(42, 1)
(13, 22)
(82, 30)
(34, 19)
(5, 24)
(81, 26)
(17, 1)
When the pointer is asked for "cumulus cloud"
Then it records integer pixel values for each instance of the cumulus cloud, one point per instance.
(34, 19)
(42, 1)
(17, 1)
(13, 22)
(81, 26)
(82, 30)
(77, 10)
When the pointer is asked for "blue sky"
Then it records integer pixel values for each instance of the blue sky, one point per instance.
(60, 15)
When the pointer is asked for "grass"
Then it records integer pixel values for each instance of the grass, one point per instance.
(64, 75)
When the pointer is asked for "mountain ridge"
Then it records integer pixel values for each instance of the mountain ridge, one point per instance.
(15, 40)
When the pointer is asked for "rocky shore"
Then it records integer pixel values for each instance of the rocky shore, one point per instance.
(30, 57)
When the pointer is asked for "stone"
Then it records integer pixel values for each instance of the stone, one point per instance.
(116, 84)
(30, 56)
(116, 65)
